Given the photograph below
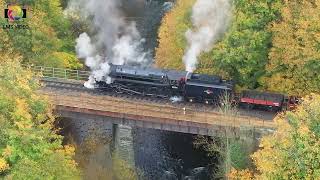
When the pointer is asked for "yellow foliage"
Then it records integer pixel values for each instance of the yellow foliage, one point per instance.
(7, 152)
(69, 150)
(66, 60)
(296, 141)
(240, 175)
(293, 151)
(27, 131)
(122, 170)
(22, 114)
(3, 165)
(295, 57)
(171, 36)
(47, 41)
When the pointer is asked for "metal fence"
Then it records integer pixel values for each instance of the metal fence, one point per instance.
(194, 115)
(51, 72)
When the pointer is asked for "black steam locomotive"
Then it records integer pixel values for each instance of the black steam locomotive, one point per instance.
(193, 87)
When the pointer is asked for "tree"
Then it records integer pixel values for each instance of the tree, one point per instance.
(242, 52)
(172, 42)
(294, 64)
(29, 145)
(232, 154)
(49, 34)
(292, 152)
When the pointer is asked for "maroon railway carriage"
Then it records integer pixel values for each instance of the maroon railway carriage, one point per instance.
(266, 100)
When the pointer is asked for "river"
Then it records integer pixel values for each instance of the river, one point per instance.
(158, 154)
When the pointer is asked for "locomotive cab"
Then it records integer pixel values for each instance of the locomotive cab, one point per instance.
(206, 88)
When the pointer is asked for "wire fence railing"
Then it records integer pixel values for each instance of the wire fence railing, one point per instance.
(165, 112)
(60, 73)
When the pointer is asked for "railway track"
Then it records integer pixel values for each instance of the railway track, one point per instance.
(77, 86)
(61, 86)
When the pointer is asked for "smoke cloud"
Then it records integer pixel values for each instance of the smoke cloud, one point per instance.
(113, 39)
(210, 19)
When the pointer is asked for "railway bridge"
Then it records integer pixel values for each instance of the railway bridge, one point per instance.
(65, 89)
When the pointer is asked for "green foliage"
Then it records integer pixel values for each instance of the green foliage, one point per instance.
(29, 146)
(232, 153)
(49, 34)
(241, 54)
(239, 154)
(292, 152)
(273, 45)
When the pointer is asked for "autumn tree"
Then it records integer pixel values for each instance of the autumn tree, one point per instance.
(294, 64)
(241, 54)
(48, 40)
(29, 145)
(172, 42)
(292, 152)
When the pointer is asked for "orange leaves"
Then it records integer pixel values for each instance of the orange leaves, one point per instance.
(171, 36)
(7, 152)
(292, 152)
(3, 165)
(240, 175)
(295, 47)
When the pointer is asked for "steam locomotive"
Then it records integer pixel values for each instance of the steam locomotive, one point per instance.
(192, 87)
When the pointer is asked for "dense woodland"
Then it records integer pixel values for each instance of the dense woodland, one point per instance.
(30, 147)
(270, 45)
(50, 39)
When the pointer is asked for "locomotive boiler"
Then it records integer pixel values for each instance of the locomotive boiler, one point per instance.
(142, 81)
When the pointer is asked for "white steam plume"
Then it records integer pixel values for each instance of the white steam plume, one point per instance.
(210, 19)
(100, 67)
(114, 40)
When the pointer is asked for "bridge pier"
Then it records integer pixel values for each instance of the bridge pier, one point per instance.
(123, 143)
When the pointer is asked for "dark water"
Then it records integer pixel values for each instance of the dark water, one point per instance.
(147, 14)
(158, 154)
(170, 155)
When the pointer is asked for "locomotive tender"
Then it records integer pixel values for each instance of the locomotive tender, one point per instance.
(193, 87)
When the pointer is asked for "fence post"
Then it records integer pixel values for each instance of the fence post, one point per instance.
(77, 74)
(65, 73)
(206, 115)
(53, 72)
